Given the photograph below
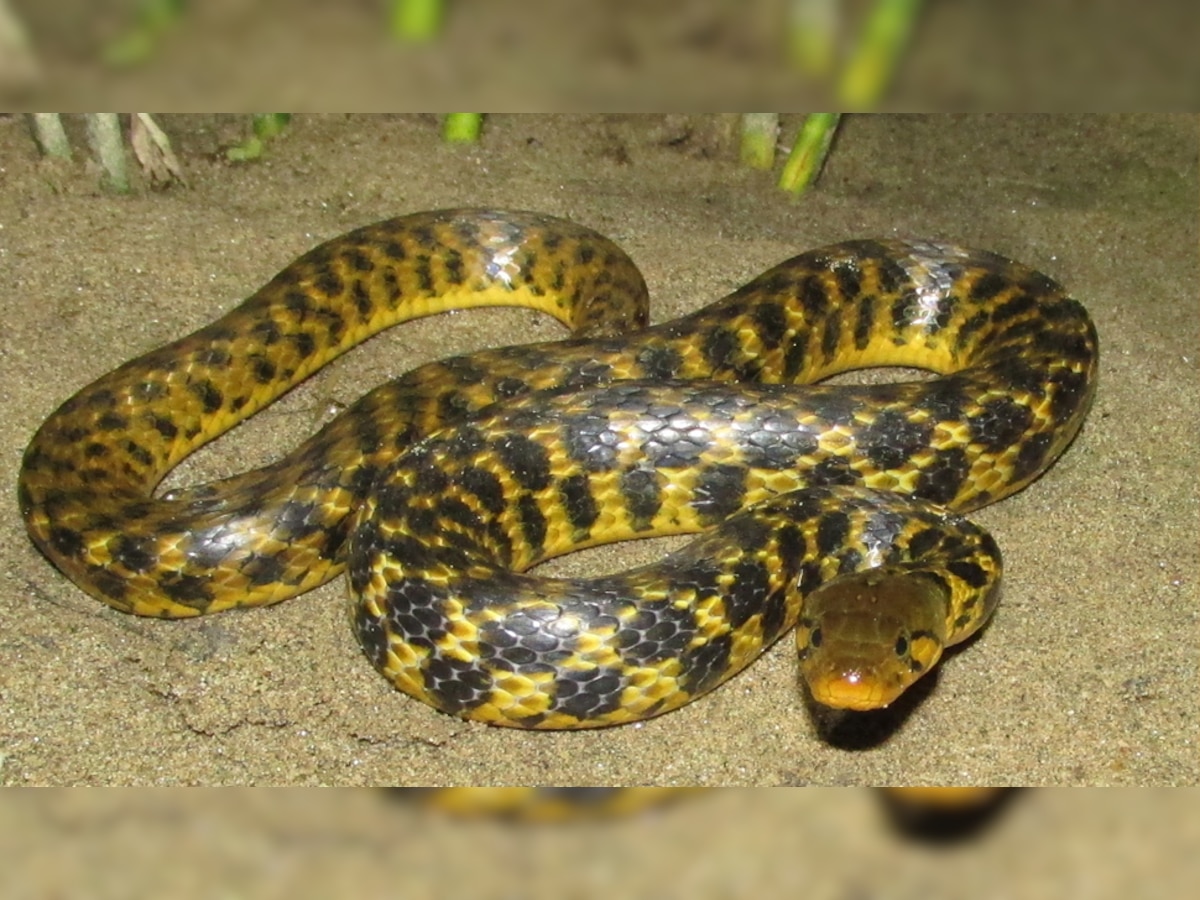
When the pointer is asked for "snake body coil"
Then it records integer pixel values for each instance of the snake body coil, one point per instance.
(820, 505)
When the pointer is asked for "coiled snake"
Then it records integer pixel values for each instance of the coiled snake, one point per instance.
(831, 507)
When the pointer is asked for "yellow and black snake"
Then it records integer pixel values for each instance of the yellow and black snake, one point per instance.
(831, 507)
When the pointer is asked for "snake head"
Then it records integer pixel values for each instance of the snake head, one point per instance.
(864, 638)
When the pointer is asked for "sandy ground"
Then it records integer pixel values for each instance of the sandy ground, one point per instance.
(820, 844)
(1086, 676)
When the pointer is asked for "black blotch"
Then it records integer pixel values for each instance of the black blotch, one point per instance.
(849, 280)
(455, 269)
(971, 573)
(329, 283)
(1014, 307)
(484, 485)
(945, 398)
(430, 479)
(772, 323)
(362, 300)
(454, 510)
(360, 480)
(748, 592)
(391, 500)
(66, 541)
(1000, 423)
(146, 391)
(465, 370)
(970, 328)
(891, 439)
(210, 398)
(813, 297)
(924, 542)
(510, 387)
(298, 303)
(109, 584)
(526, 460)
(719, 492)
(453, 406)
(643, 499)
(371, 636)
(659, 362)
(795, 356)
(135, 553)
(189, 590)
(455, 686)
(720, 348)
(213, 356)
(792, 548)
(831, 335)
(849, 561)
(831, 532)
(422, 521)
(862, 326)
(592, 373)
(112, 421)
(267, 331)
(139, 453)
(262, 369)
(834, 470)
(579, 503)
(941, 481)
(423, 272)
(704, 667)
(1032, 455)
(1070, 391)
(464, 443)
(595, 694)
(264, 569)
(533, 523)
(988, 286)
(358, 260)
(774, 616)
(304, 343)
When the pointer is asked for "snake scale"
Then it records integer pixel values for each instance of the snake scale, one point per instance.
(834, 509)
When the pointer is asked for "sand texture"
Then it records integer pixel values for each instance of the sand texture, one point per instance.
(1087, 675)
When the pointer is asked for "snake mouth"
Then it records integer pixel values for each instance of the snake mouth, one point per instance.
(855, 690)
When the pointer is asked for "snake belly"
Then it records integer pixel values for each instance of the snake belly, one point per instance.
(440, 489)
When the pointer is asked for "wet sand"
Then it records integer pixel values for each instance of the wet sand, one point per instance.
(1086, 676)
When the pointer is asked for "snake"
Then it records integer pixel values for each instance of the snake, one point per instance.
(836, 510)
(930, 811)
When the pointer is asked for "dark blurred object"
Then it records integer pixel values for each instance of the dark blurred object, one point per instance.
(546, 804)
(944, 815)
(559, 54)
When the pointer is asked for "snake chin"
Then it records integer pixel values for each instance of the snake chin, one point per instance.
(865, 638)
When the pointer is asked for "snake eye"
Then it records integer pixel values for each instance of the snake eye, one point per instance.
(814, 638)
(902, 646)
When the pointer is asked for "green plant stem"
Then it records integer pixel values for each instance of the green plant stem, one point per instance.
(759, 133)
(462, 128)
(104, 136)
(884, 36)
(50, 136)
(808, 154)
(416, 20)
(265, 126)
(154, 19)
(812, 35)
